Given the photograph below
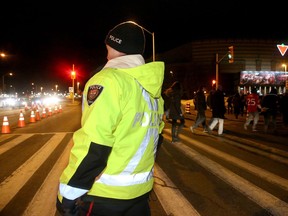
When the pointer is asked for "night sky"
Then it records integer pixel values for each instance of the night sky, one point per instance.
(44, 40)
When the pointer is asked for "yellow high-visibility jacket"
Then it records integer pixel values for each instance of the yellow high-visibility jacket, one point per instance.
(122, 111)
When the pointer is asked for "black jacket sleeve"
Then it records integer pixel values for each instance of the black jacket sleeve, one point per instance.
(91, 166)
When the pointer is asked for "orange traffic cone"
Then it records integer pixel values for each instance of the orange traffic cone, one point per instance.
(56, 110)
(50, 112)
(5, 125)
(44, 113)
(21, 121)
(38, 115)
(32, 117)
(60, 108)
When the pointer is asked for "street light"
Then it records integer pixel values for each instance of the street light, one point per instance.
(3, 80)
(285, 67)
(56, 87)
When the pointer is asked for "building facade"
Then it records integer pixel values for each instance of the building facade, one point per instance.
(194, 64)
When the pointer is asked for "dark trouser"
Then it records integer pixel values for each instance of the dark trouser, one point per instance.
(269, 117)
(99, 206)
(200, 119)
(176, 128)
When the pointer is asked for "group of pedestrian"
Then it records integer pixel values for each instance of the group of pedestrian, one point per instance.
(173, 106)
(270, 106)
(251, 104)
(216, 103)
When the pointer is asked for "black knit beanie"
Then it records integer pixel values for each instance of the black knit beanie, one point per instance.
(127, 37)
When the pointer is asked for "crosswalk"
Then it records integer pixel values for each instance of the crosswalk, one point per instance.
(35, 180)
(43, 203)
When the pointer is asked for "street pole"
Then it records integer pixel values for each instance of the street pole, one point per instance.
(73, 91)
(73, 78)
(217, 70)
(3, 81)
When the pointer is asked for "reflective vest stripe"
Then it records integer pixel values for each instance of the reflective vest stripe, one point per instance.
(125, 180)
(127, 177)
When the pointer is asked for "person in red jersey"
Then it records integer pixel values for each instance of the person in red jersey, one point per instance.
(253, 106)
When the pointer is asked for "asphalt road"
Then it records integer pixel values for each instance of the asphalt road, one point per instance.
(240, 173)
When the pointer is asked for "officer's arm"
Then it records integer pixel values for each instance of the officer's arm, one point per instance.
(91, 166)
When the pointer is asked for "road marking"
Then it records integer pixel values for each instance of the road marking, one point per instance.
(5, 147)
(172, 200)
(267, 201)
(47, 206)
(268, 176)
(10, 186)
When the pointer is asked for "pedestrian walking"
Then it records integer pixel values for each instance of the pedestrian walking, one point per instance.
(229, 104)
(200, 106)
(243, 107)
(110, 169)
(218, 110)
(175, 111)
(253, 107)
(270, 107)
(236, 101)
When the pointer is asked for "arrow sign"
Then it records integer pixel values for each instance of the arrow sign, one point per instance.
(282, 48)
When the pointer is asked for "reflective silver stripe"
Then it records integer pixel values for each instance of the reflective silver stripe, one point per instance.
(127, 177)
(125, 180)
(71, 192)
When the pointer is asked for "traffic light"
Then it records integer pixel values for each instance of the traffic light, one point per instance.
(73, 74)
(231, 54)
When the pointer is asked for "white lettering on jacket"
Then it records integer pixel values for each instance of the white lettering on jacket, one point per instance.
(145, 119)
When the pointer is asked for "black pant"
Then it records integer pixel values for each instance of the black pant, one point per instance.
(99, 206)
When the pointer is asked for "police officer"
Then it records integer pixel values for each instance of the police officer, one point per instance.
(110, 170)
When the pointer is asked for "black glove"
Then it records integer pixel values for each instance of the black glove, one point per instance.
(67, 207)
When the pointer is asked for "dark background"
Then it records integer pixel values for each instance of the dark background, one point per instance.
(43, 40)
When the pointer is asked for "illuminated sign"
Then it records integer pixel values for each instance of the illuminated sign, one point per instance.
(262, 78)
(282, 48)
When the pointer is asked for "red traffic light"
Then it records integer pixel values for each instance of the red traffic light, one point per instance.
(73, 74)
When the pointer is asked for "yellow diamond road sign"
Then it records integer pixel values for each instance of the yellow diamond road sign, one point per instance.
(282, 48)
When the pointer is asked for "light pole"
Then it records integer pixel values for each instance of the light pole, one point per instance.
(3, 80)
(78, 83)
(73, 76)
(230, 54)
(56, 87)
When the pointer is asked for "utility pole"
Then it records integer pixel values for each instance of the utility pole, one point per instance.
(230, 54)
